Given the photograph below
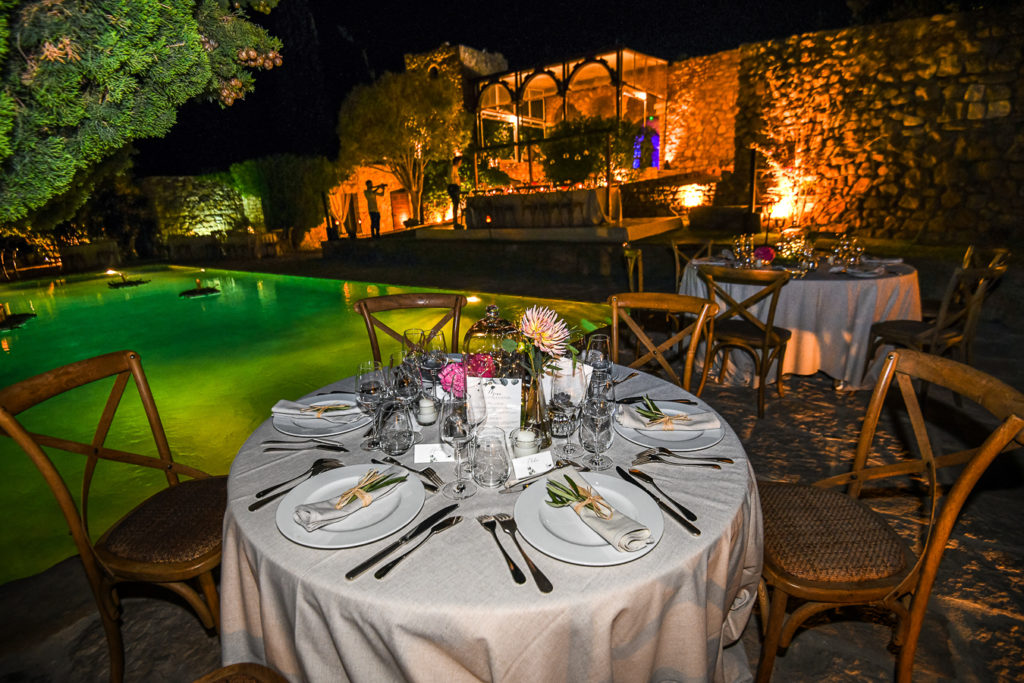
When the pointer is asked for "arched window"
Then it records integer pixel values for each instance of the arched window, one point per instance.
(497, 116)
(591, 92)
(540, 108)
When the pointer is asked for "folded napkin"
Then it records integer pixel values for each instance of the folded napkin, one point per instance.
(295, 409)
(682, 422)
(312, 516)
(881, 259)
(866, 270)
(621, 532)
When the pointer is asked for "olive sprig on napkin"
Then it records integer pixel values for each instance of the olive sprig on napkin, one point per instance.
(650, 410)
(371, 481)
(578, 497)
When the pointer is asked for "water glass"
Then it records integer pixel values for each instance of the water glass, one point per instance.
(596, 432)
(490, 458)
(371, 390)
(412, 343)
(602, 385)
(395, 430)
(568, 391)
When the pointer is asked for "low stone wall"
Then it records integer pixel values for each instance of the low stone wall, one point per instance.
(198, 204)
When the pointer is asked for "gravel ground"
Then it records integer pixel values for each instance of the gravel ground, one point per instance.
(973, 629)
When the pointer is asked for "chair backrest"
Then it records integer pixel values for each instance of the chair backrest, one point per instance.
(770, 282)
(625, 304)
(962, 301)
(634, 267)
(682, 258)
(123, 367)
(1004, 407)
(370, 308)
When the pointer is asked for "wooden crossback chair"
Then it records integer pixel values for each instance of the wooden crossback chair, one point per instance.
(736, 327)
(827, 549)
(682, 258)
(370, 307)
(170, 539)
(930, 307)
(634, 267)
(957, 321)
(625, 306)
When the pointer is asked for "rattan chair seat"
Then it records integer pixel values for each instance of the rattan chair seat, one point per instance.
(179, 524)
(737, 330)
(819, 534)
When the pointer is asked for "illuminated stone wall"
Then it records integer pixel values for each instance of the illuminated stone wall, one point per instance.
(908, 129)
(196, 204)
(701, 114)
(460, 64)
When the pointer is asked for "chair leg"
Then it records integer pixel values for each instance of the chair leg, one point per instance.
(773, 632)
(115, 646)
(212, 598)
(778, 372)
(725, 365)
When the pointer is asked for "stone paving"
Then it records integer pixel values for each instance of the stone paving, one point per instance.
(975, 621)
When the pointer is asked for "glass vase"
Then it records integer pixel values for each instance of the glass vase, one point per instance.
(535, 411)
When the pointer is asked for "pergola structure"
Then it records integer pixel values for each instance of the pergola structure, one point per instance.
(515, 108)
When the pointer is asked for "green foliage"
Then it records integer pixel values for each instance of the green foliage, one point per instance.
(90, 76)
(400, 123)
(577, 149)
(290, 188)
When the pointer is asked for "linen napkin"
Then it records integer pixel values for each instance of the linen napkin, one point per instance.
(294, 409)
(621, 532)
(682, 422)
(313, 516)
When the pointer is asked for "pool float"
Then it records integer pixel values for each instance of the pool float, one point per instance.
(199, 290)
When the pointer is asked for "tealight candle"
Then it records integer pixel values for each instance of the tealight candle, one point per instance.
(524, 442)
(427, 413)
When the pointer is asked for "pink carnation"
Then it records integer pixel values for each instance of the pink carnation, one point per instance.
(453, 379)
(764, 253)
(480, 365)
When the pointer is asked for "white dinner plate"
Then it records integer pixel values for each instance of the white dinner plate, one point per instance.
(561, 534)
(680, 440)
(377, 520)
(870, 272)
(327, 425)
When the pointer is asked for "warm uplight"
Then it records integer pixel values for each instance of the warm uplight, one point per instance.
(111, 272)
(694, 194)
(473, 299)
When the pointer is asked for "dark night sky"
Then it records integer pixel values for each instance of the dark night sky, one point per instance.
(294, 108)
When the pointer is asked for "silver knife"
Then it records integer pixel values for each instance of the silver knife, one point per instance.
(300, 442)
(662, 504)
(434, 530)
(419, 529)
(648, 479)
(639, 399)
(306, 447)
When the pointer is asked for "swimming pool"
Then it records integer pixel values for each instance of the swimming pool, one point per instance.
(216, 365)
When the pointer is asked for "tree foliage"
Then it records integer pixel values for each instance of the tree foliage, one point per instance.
(399, 123)
(290, 189)
(577, 150)
(81, 79)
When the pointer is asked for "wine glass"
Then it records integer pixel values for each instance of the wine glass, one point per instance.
(412, 344)
(598, 354)
(433, 357)
(457, 430)
(596, 433)
(568, 390)
(405, 388)
(601, 385)
(395, 429)
(371, 390)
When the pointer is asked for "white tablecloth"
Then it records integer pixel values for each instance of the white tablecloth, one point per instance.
(830, 316)
(452, 612)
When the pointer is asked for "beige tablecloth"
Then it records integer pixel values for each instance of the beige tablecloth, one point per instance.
(571, 208)
(452, 612)
(830, 316)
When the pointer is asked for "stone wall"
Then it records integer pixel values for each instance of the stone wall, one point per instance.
(195, 204)
(701, 114)
(912, 129)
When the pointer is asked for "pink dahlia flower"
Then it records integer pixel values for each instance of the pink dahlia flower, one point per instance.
(545, 329)
(453, 379)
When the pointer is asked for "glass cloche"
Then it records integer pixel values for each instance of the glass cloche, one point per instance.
(490, 347)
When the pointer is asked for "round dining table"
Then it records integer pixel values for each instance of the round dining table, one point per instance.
(452, 611)
(830, 316)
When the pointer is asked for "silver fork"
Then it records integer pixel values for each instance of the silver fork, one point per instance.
(487, 522)
(508, 525)
(645, 458)
(427, 472)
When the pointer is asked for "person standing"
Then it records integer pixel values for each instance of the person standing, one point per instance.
(454, 191)
(371, 193)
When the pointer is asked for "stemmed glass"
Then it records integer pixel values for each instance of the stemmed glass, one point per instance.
(596, 431)
(602, 385)
(568, 390)
(371, 390)
(598, 354)
(405, 388)
(457, 430)
(412, 344)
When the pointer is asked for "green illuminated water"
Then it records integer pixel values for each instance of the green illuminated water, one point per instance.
(216, 365)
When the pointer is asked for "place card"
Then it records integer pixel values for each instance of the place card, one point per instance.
(504, 399)
(431, 452)
(533, 464)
